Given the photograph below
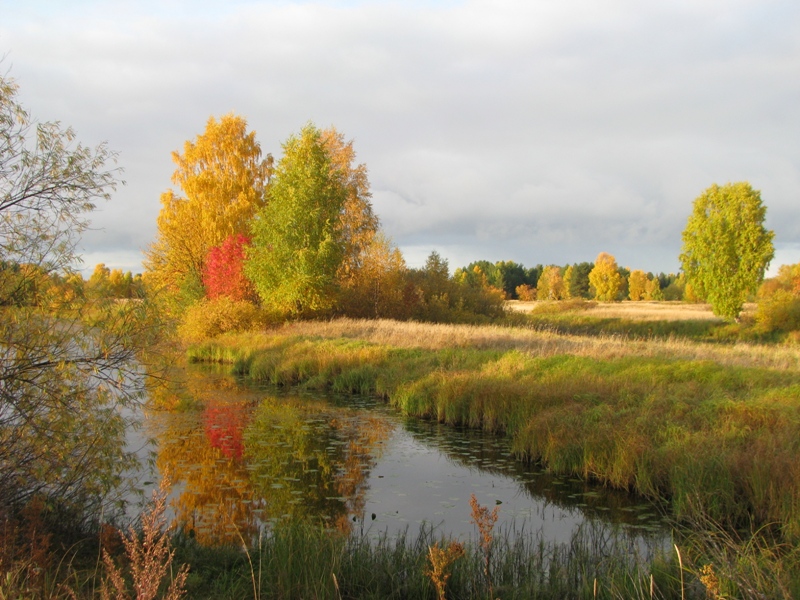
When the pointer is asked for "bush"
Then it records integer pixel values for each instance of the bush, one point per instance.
(779, 312)
(210, 318)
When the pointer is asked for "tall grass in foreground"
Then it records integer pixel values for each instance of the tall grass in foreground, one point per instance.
(301, 560)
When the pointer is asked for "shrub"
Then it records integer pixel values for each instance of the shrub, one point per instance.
(210, 318)
(779, 312)
(526, 293)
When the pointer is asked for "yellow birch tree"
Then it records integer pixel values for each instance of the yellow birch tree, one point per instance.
(637, 285)
(605, 278)
(223, 178)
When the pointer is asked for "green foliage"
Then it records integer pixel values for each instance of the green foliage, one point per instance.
(578, 282)
(297, 246)
(467, 297)
(503, 275)
(726, 248)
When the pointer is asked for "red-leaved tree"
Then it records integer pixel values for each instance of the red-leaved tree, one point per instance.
(223, 275)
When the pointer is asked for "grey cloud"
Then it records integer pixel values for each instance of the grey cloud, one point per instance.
(496, 130)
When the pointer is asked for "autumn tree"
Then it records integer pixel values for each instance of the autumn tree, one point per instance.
(569, 274)
(605, 278)
(525, 293)
(652, 289)
(357, 225)
(779, 300)
(510, 276)
(378, 288)
(551, 284)
(726, 248)
(223, 274)
(223, 178)
(637, 285)
(299, 244)
(62, 423)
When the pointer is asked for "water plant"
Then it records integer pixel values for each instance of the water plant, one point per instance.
(441, 561)
(149, 556)
(485, 522)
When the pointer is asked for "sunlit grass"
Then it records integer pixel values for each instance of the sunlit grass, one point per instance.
(711, 428)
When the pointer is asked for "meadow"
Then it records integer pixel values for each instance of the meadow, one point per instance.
(706, 427)
(711, 428)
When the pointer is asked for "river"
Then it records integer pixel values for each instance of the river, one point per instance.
(243, 457)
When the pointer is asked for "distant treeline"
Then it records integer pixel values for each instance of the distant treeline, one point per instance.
(522, 283)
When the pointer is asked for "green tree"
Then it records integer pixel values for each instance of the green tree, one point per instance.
(298, 245)
(726, 248)
(605, 278)
(62, 430)
(578, 281)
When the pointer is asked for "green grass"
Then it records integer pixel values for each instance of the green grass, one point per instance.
(716, 440)
(302, 560)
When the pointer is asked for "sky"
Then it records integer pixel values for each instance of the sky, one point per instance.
(538, 131)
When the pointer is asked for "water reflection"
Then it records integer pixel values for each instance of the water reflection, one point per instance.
(246, 457)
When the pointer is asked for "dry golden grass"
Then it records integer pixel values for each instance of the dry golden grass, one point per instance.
(639, 311)
(544, 343)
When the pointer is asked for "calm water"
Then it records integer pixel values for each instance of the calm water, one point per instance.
(249, 457)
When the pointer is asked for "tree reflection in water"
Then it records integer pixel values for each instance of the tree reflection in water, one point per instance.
(241, 465)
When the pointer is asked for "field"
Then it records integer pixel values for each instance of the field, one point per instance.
(638, 311)
(711, 427)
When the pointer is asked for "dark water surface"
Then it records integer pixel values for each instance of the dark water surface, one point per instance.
(248, 457)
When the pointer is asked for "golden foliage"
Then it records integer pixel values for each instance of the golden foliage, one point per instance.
(358, 224)
(637, 285)
(441, 561)
(551, 284)
(223, 179)
(375, 289)
(526, 293)
(209, 318)
(149, 556)
(605, 278)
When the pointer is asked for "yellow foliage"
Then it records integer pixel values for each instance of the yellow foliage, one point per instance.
(376, 288)
(357, 224)
(637, 285)
(526, 293)
(210, 318)
(224, 179)
(551, 285)
(605, 278)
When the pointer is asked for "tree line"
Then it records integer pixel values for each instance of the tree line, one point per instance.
(298, 238)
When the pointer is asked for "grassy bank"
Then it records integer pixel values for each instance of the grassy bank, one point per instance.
(685, 422)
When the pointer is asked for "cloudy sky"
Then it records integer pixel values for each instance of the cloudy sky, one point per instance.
(539, 131)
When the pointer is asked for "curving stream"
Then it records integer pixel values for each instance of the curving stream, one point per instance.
(247, 457)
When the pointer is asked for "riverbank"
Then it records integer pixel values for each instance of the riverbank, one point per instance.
(674, 420)
(713, 429)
